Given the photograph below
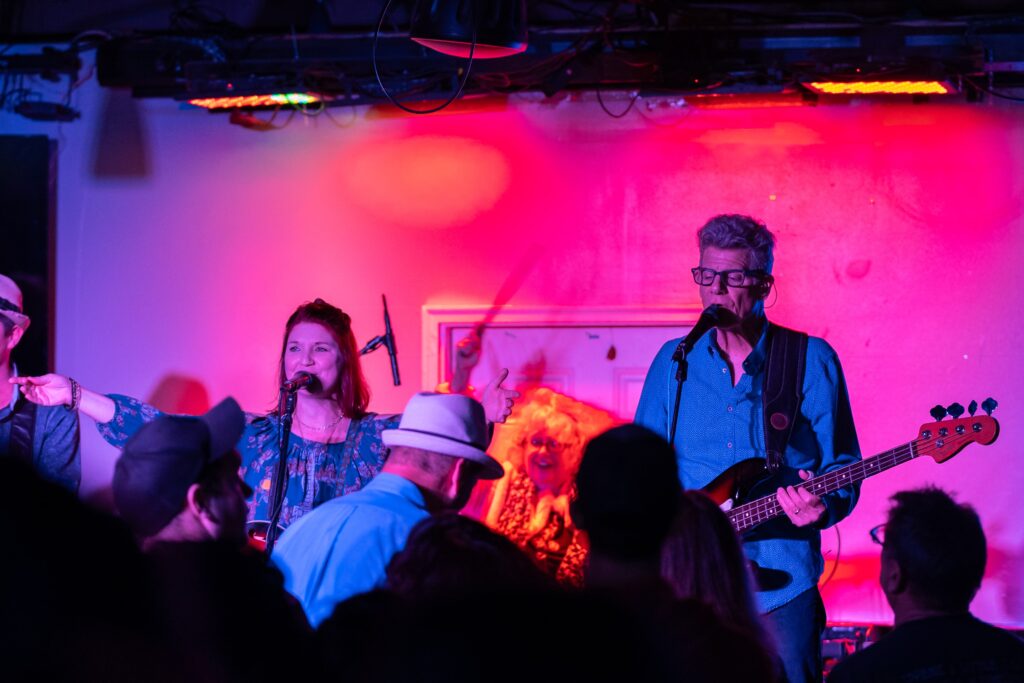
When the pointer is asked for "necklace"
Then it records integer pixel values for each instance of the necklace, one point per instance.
(321, 428)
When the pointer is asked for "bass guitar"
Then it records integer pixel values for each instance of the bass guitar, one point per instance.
(938, 440)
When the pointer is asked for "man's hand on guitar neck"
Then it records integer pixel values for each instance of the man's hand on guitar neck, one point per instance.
(801, 506)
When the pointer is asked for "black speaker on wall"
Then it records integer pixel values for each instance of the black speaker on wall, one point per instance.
(28, 182)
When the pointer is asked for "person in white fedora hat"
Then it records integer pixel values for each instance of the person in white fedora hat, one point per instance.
(46, 436)
(343, 547)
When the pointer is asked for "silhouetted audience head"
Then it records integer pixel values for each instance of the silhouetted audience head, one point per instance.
(934, 550)
(75, 597)
(450, 554)
(628, 490)
(933, 559)
(177, 478)
(518, 636)
(702, 558)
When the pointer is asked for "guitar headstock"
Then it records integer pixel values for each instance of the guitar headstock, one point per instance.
(944, 439)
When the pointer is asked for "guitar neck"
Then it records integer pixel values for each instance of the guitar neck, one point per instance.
(758, 511)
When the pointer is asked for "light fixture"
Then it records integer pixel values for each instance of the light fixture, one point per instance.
(880, 87)
(487, 28)
(253, 101)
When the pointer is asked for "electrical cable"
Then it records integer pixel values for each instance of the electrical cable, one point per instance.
(992, 92)
(462, 82)
(632, 101)
(835, 563)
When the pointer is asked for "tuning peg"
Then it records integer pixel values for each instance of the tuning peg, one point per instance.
(972, 408)
(938, 412)
(956, 410)
(989, 404)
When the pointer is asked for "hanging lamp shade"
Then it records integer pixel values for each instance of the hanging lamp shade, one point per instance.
(447, 27)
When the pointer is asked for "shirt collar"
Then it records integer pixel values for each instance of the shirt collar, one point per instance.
(753, 362)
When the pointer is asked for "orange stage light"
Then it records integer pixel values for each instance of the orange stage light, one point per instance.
(880, 87)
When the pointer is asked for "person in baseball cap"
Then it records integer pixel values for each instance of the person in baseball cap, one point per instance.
(177, 479)
(342, 548)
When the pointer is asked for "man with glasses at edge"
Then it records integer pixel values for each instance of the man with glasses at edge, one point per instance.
(722, 418)
(44, 436)
(933, 560)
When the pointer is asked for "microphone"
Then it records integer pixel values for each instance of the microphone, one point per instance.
(301, 379)
(389, 342)
(712, 316)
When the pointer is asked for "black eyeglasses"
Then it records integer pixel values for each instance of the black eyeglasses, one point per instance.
(553, 445)
(878, 534)
(705, 277)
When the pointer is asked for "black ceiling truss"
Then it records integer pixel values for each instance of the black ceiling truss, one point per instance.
(656, 47)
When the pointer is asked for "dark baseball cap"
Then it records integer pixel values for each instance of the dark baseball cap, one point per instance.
(165, 457)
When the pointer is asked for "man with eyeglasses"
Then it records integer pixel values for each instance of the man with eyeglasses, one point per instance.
(713, 411)
(44, 436)
(933, 560)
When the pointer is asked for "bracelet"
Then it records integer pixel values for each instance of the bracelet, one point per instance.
(76, 395)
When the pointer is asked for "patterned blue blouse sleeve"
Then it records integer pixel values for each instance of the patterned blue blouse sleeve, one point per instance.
(129, 416)
(369, 451)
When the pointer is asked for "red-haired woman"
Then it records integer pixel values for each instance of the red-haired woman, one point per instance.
(334, 446)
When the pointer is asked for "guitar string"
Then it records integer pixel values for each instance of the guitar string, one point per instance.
(753, 513)
(768, 507)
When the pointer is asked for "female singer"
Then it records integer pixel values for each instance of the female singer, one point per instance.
(334, 447)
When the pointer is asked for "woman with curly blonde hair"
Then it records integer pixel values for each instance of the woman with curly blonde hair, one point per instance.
(540, 449)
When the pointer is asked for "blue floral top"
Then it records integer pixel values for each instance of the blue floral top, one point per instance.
(317, 472)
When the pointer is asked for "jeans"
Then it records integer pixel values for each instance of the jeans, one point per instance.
(797, 627)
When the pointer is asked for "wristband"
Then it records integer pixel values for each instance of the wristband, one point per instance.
(76, 395)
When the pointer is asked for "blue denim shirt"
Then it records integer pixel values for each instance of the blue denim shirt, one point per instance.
(721, 424)
(55, 442)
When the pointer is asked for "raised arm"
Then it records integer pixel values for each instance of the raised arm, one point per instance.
(117, 417)
(58, 390)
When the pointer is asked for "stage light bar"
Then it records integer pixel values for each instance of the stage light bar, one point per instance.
(880, 87)
(252, 101)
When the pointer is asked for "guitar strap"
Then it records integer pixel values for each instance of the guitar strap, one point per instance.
(783, 389)
(23, 428)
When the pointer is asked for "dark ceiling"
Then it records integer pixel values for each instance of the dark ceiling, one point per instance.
(188, 49)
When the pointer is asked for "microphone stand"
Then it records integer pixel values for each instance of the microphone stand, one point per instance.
(681, 352)
(680, 357)
(388, 341)
(286, 410)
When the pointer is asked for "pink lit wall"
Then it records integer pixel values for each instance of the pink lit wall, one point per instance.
(184, 242)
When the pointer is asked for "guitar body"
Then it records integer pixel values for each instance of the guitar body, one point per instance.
(256, 531)
(736, 484)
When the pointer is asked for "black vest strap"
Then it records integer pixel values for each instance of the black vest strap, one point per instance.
(23, 429)
(783, 389)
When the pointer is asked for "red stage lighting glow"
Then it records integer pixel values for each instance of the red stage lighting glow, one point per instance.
(881, 88)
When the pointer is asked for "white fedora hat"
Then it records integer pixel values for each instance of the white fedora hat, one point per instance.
(449, 424)
(11, 303)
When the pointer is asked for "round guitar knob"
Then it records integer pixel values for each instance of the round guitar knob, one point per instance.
(779, 421)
